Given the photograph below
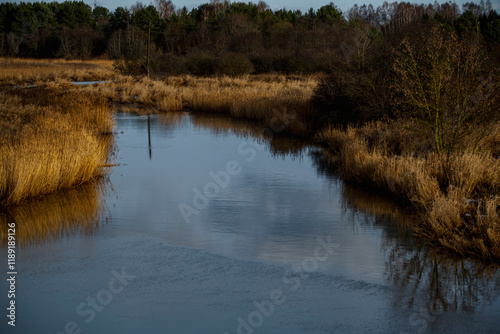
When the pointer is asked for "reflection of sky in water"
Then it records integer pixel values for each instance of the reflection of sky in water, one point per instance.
(273, 210)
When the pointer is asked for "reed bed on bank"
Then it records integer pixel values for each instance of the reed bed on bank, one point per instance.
(17, 71)
(51, 140)
(457, 196)
(278, 102)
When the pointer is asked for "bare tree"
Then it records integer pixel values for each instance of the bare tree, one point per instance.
(483, 8)
(66, 49)
(444, 86)
(449, 11)
(115, 45)
(84, 38)
(137, 6)
(262, 6)
(14, 41)
(165, 8)
(356, 46)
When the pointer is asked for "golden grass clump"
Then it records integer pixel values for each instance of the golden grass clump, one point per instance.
(50, 141)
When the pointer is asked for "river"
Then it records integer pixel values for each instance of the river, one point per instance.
(213, 225)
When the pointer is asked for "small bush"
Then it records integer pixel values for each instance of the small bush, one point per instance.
(201, 63)
(332, 100)
(128, 67)
(167, 64)
(235, 64)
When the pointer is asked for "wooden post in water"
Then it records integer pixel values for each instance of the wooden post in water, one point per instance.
(149, 137)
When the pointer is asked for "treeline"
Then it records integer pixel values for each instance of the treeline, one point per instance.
(227, 38)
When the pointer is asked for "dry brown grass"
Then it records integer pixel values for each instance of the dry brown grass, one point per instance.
(270, 99)
(50, 140)
(14, 71)
(458, 196)
(267, 99)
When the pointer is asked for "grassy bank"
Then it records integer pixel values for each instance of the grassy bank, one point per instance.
(266, 98)
(269, 99)
(50, 140)
(456, 196)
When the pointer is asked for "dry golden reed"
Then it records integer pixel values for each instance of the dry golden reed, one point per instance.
(274, 102)
(50, 140)
(457, 195)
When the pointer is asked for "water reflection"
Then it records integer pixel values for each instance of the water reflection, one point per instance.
(446, 283)
(149, 137)
(54, 217)
(223, 126)
(279, 145)
(421, 274)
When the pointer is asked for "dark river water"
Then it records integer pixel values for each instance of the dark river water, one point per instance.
(213, 225)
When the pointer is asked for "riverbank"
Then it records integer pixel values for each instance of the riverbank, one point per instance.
(263, 98)
(51, 139)
(456, 196)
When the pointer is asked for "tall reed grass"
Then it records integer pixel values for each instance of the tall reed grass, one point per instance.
(457, 196)
(51, 140)
(275, 101)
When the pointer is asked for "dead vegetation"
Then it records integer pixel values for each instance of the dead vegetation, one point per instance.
(51, 140)
(16, 71)
(457, 196)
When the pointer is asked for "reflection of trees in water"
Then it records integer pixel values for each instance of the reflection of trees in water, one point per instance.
(52, 217)
(280, 145)
(441, 281)
(224, 125)
(326, 164)
(421, 275)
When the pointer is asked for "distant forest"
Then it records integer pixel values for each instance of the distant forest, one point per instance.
(232, 38)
